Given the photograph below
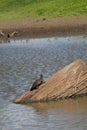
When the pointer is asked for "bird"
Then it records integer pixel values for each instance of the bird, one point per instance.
(8, 35)
(37, 83)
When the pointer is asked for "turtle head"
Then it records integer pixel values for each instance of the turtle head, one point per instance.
(41, 76)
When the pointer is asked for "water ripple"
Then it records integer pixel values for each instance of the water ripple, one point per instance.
(21, 62)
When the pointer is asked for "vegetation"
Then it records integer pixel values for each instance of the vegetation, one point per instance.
(17, 9)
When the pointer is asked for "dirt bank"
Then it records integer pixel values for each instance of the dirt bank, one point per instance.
(45, 27)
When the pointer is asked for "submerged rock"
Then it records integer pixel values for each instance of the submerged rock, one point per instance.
(68, 82)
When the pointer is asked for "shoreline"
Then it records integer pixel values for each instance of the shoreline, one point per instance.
(37, 28)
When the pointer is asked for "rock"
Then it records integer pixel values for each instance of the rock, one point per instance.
(69, 82)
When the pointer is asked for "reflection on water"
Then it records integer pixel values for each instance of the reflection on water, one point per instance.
(21, 62)
(69, 105)
(62, 115)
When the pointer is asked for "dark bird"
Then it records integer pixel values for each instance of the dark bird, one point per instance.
(8, 35)
(37, 83)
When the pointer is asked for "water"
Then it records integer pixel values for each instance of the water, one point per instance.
(21, 62)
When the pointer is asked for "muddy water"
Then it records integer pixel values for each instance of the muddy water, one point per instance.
(21, 62)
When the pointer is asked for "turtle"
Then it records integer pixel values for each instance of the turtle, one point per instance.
(37, 83)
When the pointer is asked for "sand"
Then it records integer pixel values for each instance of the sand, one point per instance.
(35, 28)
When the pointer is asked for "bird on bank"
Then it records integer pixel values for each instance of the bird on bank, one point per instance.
(7, 36)
(37, 83)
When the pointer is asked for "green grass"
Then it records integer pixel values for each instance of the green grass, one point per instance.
(19, 9)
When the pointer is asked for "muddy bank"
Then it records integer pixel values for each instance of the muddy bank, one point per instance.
(45, 27)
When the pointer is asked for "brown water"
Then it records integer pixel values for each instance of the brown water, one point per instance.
(21, 62)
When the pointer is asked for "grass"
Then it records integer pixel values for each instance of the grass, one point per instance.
(20, 9)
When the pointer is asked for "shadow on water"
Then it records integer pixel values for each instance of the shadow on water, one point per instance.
(21, 62)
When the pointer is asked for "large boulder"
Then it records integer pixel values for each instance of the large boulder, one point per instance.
(69, 82)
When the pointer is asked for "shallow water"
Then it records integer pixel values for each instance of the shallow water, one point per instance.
(21, 62)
